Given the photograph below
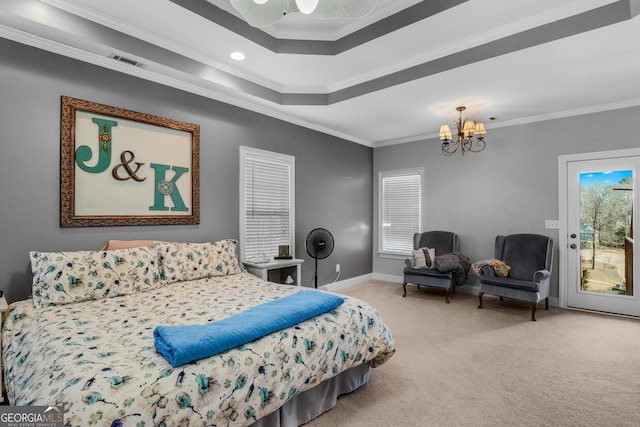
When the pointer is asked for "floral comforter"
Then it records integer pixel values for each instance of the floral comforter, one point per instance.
(98, 360)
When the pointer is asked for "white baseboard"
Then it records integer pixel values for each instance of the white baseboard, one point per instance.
(387, 278)
(466, 289)
(346, 283)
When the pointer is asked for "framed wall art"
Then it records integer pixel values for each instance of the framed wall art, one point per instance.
(121, 167)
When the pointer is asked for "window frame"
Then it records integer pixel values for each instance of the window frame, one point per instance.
(381, 197)
(247, 153)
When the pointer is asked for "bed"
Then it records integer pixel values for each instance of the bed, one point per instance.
(90, 347)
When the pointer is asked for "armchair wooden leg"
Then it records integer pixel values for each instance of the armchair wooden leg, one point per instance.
(533, 312)
(546, 303)
(480, 297)
(446, 296)
(404, 289)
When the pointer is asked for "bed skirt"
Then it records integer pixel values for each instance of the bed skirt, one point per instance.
(312, 403)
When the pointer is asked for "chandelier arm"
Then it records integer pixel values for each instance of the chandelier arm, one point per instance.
(480, 144)
(446, 147)
(467, 144)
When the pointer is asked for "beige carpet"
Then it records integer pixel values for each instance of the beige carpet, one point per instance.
(456, 365)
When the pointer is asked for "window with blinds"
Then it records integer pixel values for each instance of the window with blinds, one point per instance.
(400, 210)
(266, 203)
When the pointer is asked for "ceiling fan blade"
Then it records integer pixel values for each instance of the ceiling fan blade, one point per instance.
(261, 15)
(332, 9)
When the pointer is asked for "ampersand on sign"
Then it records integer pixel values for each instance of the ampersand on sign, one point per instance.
(125, 164)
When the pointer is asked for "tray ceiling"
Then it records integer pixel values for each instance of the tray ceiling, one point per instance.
(391, 77)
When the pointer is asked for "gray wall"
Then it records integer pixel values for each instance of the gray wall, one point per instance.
(333, 184)
(510, 187)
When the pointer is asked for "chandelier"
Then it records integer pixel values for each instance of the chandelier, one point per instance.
(263, 13)
(465, 142)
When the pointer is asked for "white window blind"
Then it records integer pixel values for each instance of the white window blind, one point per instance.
(266, 203)
(400, 200)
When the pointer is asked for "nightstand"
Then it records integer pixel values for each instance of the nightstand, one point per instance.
(3, 308)
(277, 270)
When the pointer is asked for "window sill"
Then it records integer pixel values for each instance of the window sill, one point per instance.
(393, 255)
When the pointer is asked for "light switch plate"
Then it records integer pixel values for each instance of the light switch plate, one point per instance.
(552, 224)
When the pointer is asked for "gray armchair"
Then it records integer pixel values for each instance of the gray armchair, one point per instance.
(443, 242)
(530, 257)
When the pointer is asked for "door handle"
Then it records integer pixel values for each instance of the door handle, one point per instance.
(573, 246)
(573, 235)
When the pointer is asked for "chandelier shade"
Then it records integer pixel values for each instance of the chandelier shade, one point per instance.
(264, 13)
(465, 139)
(445, 132)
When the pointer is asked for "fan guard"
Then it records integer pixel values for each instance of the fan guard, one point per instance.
(319, 246)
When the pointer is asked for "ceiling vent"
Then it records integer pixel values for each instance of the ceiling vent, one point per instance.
(127, 60)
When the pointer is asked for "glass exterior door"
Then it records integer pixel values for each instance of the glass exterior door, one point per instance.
(601, 250)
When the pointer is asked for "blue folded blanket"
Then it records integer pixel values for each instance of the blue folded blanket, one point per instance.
(187, 343)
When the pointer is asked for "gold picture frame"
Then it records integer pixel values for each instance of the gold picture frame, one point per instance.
(283, 251)
(120, 167)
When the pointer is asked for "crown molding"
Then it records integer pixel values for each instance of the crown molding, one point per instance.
(546, 26)
(524, 120)
(144, 73)
(74, 53)
(132, 30)
(450, 48)
(385, 25)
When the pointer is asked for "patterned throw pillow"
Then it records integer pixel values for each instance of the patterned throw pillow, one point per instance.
(499, 267)
(66, 277)
(190, 261)
(424, 257)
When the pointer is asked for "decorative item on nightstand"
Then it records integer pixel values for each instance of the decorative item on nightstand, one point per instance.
(283, 252)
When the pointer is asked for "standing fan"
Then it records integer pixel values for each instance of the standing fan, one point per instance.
(319, 246)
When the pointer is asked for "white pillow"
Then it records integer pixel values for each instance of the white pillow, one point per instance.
(424, 257)
(191, 261)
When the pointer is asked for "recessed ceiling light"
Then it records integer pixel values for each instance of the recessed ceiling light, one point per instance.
(238, 56)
